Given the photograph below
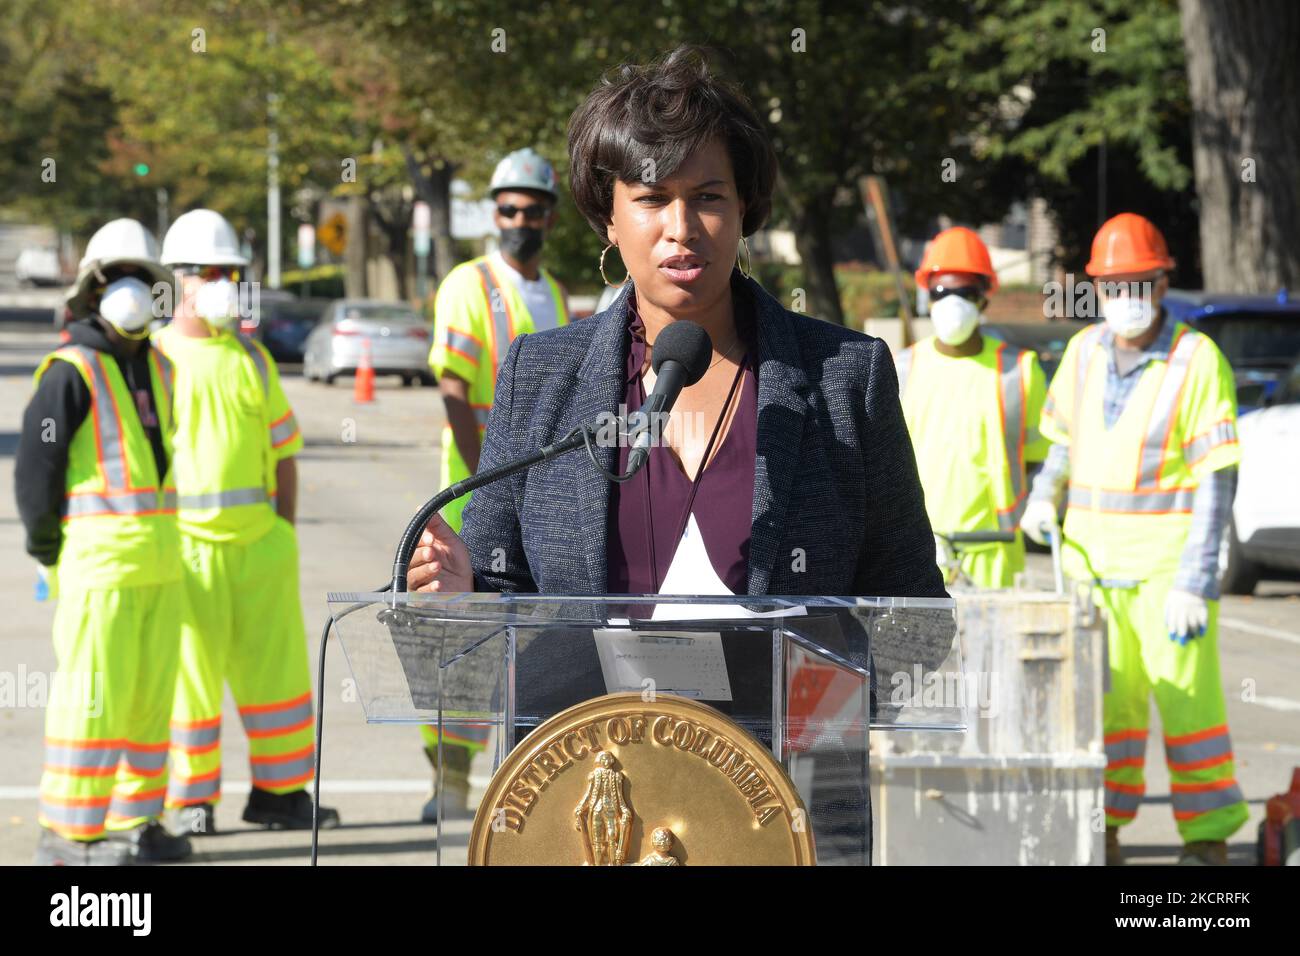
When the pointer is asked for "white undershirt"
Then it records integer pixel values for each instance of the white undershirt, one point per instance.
(536, 294)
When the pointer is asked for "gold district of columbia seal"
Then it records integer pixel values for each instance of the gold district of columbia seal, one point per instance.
(618, 781)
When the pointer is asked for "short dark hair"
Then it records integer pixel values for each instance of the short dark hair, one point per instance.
(665, 111)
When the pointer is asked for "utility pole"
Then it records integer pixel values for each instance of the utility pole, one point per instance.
(272, 184)
(164, 212)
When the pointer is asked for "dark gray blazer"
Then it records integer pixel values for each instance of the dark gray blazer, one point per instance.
(838, 507)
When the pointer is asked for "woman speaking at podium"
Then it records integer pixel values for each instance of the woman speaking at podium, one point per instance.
(786, 469)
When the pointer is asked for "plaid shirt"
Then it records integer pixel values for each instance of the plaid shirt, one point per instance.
(1120, 387)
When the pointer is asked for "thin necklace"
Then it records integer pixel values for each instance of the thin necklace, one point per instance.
(726, 353)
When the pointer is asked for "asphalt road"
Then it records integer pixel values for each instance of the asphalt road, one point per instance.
(364, 470)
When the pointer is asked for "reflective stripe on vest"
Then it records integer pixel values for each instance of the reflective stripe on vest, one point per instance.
(258, 359)
(1011, 407)
(1224, 433)
(118, 498)
(86, 504)
(502, 321)
(1151, 501)
(225, 499)
(466, 346)
(1165, 410)
(903, 363)
(1146, 497)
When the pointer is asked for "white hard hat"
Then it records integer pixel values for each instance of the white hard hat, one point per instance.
(524, 169)
(202, 237)
(122, 242)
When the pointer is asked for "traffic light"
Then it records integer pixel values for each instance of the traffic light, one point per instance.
(142, 169)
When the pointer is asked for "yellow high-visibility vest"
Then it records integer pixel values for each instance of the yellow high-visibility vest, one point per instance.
(477, 314)
(119, 521)
(1131, 485)
(974, 424)
(233, 426)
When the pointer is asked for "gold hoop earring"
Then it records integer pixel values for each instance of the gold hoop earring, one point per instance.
(602, 268)
(745, 270)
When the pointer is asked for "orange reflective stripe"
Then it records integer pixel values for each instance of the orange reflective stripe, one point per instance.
(196, 724)
(284, 430)
(1220, 433)
(278, 705)
(258, 359)
(1011, 416)
(503, 323)
(1163, 414)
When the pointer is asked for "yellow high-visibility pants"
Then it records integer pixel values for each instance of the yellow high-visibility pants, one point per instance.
(453, 469)
(450, 470)
(106, 717)
(244, 625)
(994, 565)
(1207, 803)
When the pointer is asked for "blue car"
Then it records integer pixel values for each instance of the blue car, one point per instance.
(1259, 335)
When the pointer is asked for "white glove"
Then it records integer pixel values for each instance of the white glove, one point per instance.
(946, 558)
(1186, 616)
(1039, 521)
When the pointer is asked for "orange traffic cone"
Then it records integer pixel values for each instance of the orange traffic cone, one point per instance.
(363, 391)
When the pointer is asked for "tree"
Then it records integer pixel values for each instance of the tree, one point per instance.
(1243, 66)
(1087, 99)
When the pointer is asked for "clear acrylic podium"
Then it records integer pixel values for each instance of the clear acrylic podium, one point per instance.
(809, 677)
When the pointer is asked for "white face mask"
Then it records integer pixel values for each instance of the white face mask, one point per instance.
(1129, 316)
(954, 319)
(127, 306)
(216, 303)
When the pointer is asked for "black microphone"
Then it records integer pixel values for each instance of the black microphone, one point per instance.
(681, 357)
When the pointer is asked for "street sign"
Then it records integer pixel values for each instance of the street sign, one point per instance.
(306, 246)
(333, 233)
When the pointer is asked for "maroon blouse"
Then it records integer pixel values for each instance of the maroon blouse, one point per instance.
(645, 513)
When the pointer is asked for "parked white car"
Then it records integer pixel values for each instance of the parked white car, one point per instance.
(396, 337)
(1265, 530)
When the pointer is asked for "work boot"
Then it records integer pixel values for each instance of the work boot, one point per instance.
(199, 819)
(286, 811)
(1205, 853)
(56, 850)
(150, 843)
(1114, 855)
(455, 784)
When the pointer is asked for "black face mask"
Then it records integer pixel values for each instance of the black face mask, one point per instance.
(521, 243)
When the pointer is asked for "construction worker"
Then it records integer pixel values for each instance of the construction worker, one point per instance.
(93, 488)
(1143, 413)
(972, 405)
(237, 494)
(481, 306)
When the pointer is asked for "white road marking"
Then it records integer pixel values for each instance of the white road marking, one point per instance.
(1259, 629)
(1275, 703)
(243, 786)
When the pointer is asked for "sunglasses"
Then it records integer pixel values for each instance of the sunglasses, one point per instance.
(212, 273)
(534, 213)
(971, 293)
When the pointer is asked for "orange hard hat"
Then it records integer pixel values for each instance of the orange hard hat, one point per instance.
(956, 250)
(1126, 244)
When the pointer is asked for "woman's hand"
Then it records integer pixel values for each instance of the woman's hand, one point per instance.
(441, 561)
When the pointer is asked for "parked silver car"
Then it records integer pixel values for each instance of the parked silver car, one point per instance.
(397, 337)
